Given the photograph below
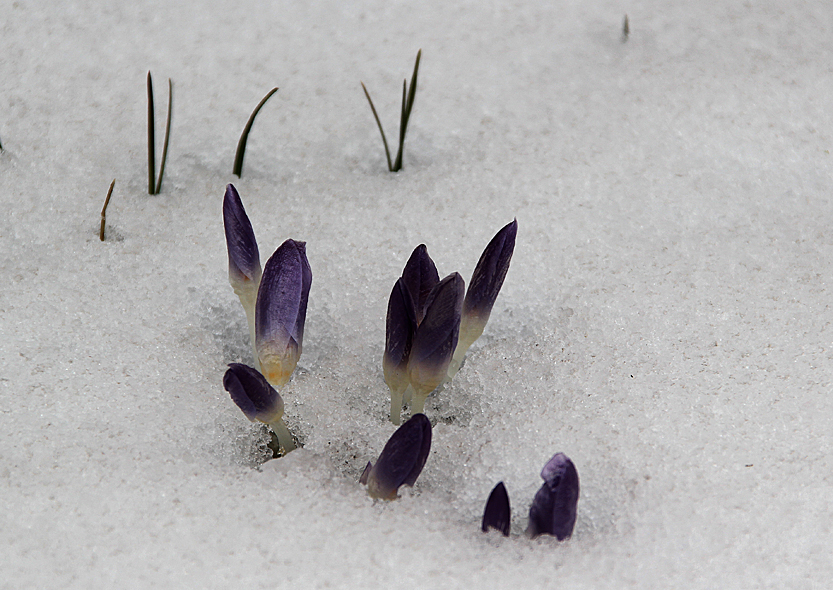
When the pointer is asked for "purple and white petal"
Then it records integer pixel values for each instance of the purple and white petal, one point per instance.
(281, 311)
(485, 284)
(436, 337)
(243, 255)
(399, 334)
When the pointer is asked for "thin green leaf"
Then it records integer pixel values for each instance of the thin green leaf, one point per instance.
(167, 137)
(407, 105)
(151, 140)
(379, 123)
(244, 137)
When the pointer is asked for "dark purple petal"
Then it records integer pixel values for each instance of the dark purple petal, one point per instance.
(436, 336)
(420, 276)
(243, 255)
(497, 515)
(365, 473)
(402, 459)
(253, 394)
(281, 311)
(553, 511)
(488, 275)
(399, 335)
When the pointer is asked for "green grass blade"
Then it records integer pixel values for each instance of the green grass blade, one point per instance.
(379, 123)
(151, 140)
(167, 137)
(407, 105)
(244, 137)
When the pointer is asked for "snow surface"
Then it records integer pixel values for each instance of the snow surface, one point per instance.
(665, 322)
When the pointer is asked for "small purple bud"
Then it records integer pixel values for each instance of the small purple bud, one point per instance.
(488, 275)
(497, 515)
(420, 276)
(553, 511)
(253, 394)
(402, 459)
(399, 335)
(243, 255)
(436, 336)
(281, 311)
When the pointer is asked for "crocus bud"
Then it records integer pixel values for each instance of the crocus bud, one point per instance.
(497, 515)
(485, 284)
(553, 511)
(399, 334)
(401, 460)
(243, 256)
(420, 276)
(253, 394)
(281, 311)
(436, 338)
(258, 400)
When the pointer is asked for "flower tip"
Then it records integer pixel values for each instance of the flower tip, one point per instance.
(490, 272)
(420, 276)
(243, 254)
(497, 514)
(554, 508)
(402, 459)
(365, 473)
(253, 394)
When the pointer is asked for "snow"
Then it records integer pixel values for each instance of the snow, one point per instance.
(665, 321)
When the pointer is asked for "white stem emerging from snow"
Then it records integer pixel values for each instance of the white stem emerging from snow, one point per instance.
(285, 438)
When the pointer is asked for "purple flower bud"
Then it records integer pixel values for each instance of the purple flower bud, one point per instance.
(436, 336)
(420, 276)
(497, 515)
(401, 460)
(485, 284)
(399, 336)
(253, 394)
(281, 311)
(553, 511)
(243, 255)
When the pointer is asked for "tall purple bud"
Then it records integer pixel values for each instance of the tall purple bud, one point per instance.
(281, 311)
(399, 335)
(258, 400)
(485, 284)
(436, 338)
(553, 511)
(243, 257)
(401, 460)
(420, 276)
(497, 514)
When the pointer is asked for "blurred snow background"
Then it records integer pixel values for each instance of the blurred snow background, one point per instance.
(665, 321)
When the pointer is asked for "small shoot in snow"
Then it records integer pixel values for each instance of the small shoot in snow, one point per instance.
(626, 29)
(554, 508)
(104, 210)
(498, 514)
(154, 184)
(244, 137)
(408, 96)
